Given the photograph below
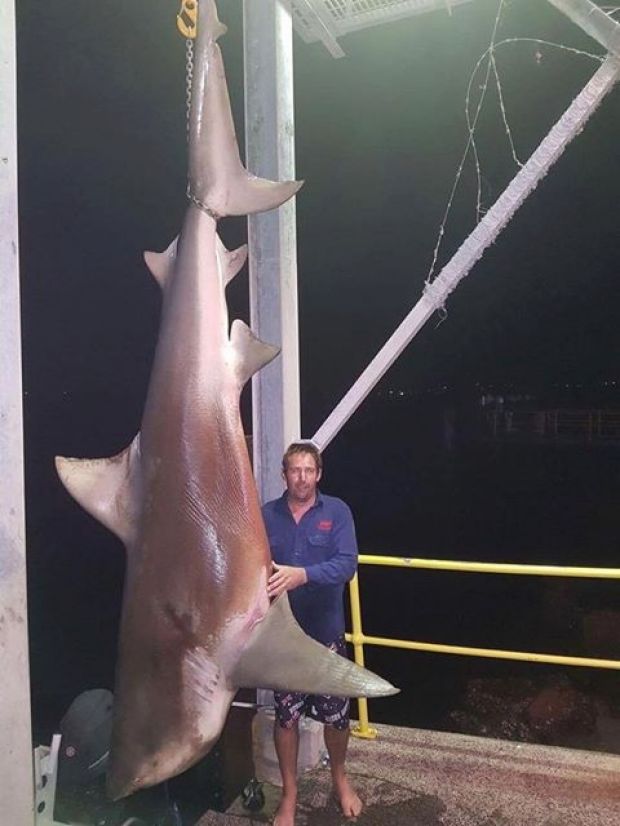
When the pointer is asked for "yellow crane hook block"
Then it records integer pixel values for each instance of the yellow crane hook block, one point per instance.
(187, 17)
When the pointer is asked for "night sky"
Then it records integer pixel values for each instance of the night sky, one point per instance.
(379, 137)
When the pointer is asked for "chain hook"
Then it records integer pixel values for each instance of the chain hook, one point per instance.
(187, 18)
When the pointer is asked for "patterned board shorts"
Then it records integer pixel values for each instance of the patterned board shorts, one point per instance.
(333, 711)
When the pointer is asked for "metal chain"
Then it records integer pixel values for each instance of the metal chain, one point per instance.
(200, 204)
(189, 77)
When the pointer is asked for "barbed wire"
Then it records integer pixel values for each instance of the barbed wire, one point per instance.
(472, 120)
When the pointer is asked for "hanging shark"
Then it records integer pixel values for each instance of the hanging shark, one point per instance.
(196, 620)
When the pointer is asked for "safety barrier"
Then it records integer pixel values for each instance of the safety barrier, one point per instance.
(359, 639)
(557, 424)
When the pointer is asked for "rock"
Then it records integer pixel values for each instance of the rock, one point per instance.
(558, 710)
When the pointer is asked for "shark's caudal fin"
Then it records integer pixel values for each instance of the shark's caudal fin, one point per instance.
(218, 181)
(281, 657)
(250, 352)
(106, 488)
(250, 194)
(211, 19)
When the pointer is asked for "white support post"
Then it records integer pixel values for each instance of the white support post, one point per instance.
(16, 786)
(270, 153)
(461, 263)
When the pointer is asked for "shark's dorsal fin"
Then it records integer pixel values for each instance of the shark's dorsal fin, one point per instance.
(281, 657)
(161, 264)
(230, 261)
(250, 352)
(106, 488)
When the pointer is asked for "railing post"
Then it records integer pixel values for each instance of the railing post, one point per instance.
(357, 638)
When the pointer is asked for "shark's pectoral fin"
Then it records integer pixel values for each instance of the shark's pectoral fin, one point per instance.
(281, 657)
(230, 261)
(106, 488)
(161, 264)
(250, 352)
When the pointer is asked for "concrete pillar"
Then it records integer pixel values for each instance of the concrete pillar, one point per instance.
(16, 787)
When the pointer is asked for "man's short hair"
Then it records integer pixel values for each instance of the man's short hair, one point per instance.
(302, 447)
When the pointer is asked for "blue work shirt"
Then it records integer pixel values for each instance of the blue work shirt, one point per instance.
(324, 543)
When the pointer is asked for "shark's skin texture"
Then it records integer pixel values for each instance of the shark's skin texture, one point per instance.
(196, 620)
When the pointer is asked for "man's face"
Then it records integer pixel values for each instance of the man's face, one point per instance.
(301, 477)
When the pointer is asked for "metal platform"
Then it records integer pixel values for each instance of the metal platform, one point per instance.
(327, 20)
(410, 777)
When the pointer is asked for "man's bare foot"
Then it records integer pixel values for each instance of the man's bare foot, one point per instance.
(348, 799)
(285, 816)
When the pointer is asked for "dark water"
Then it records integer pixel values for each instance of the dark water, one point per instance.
(435, 486)
(430, 485)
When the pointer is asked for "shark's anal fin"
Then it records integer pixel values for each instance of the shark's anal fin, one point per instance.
(230, 261)
(106, 488)
(161, 264)
(250, 352)
(281, 657)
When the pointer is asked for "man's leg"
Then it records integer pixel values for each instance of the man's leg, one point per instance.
(288, 707)
(336, 741)
(287, 747)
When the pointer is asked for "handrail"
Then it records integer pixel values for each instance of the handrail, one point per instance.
(489, 567)
(359, 639)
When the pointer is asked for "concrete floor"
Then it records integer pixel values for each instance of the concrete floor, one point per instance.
(409, 777)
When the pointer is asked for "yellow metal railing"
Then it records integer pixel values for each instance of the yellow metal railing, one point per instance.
(359, 639)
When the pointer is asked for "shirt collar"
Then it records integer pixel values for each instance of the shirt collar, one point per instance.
(318, 502)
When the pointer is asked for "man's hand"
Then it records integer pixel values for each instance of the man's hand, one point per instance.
(285, 578)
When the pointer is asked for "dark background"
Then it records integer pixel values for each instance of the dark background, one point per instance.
(380, 134)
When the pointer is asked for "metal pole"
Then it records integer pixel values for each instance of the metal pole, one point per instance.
(16, 788)
(461, 263)
(270, 153)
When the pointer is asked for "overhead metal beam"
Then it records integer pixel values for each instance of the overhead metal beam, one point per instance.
(594, 21)
(314, 15)
(16, 787)
(328, 20)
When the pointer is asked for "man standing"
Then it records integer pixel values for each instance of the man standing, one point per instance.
(314, 550)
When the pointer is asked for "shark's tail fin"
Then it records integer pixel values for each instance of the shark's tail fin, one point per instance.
(218, 182)
(281, 657)
(244, 194)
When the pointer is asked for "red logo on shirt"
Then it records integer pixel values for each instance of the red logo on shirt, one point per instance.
(325, 525)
